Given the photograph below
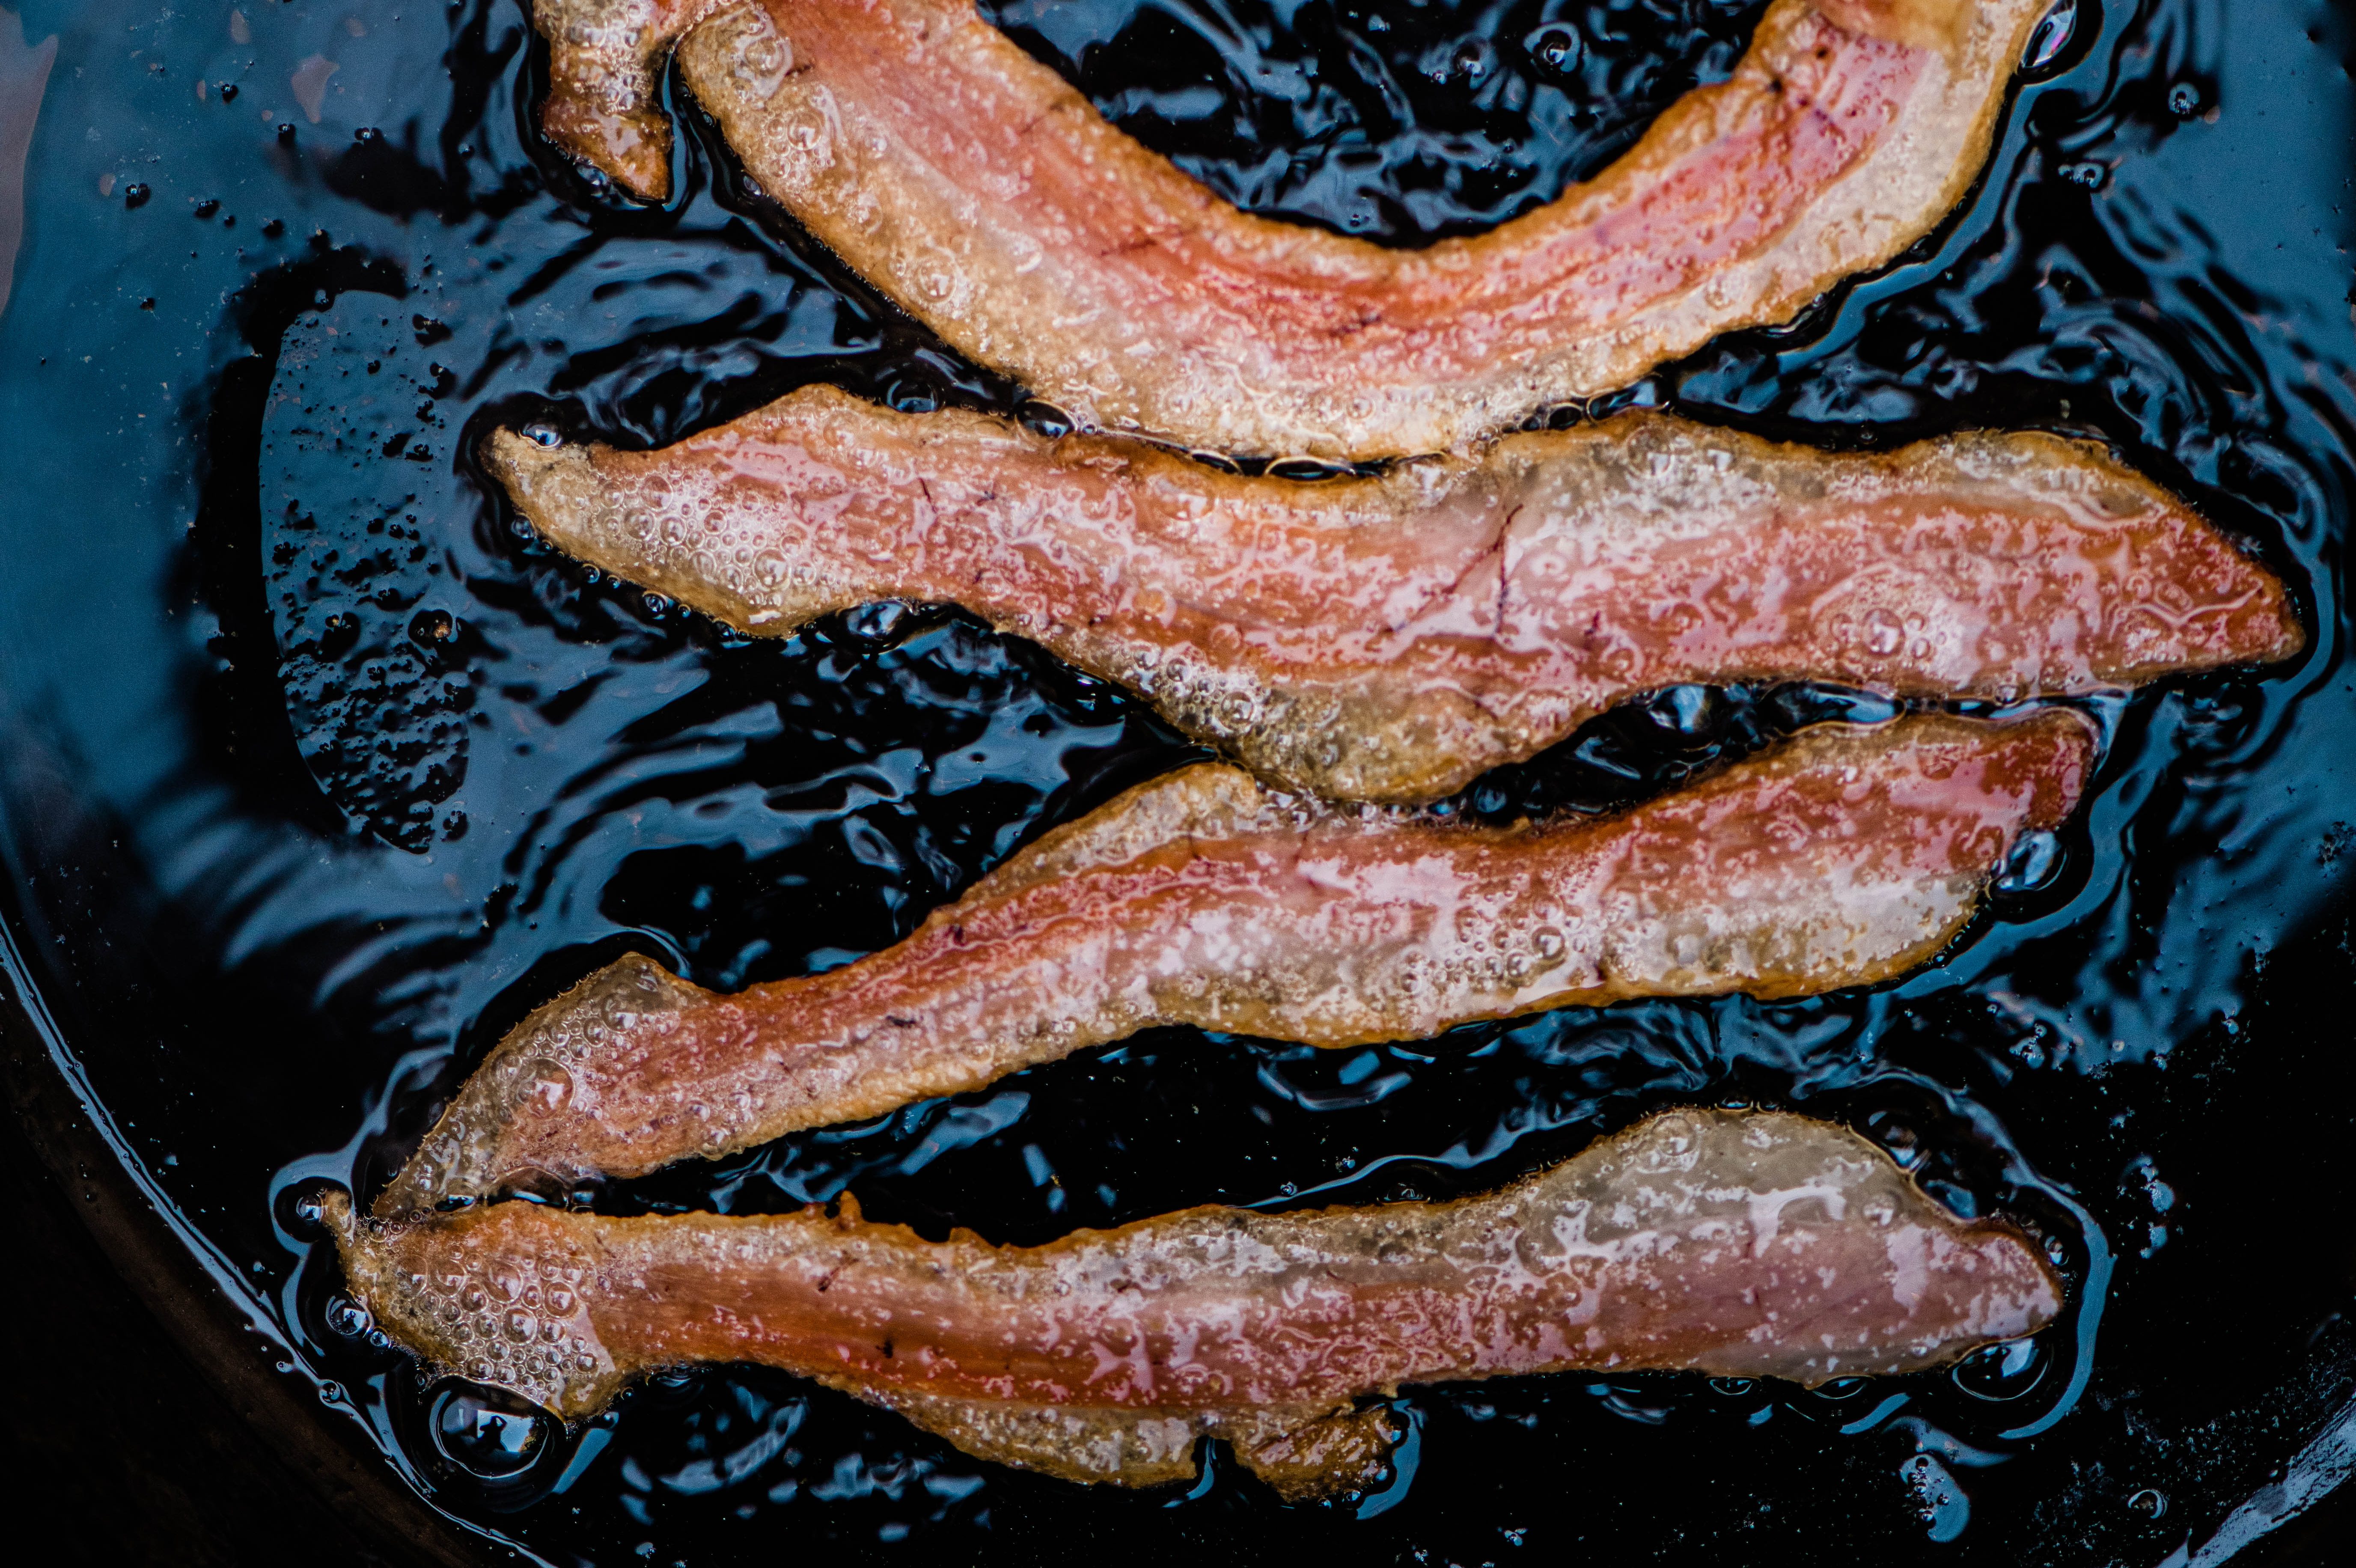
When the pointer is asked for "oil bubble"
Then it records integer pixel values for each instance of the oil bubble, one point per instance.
(2053, 36)
(303, 1208)
(1306, 470)
(2032, 864)
(2004, 1372)
(545, 1086)
(877, 623)
(1905, 1146)
(348, 1318)
(2184, 101)
(1554, 48)
(487, 1433)
(1943, 1507)
(1472, 60)
(2150, 1502)
(1042, 418)
(1883, 633)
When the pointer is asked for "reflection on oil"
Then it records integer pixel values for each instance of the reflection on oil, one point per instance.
(487, 1437)
(1402, 122)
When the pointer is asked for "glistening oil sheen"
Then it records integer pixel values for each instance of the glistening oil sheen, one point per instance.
(318, 774)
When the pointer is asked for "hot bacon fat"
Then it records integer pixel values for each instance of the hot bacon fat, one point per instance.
(985, 195)
(1845, 856)
(1389, 638)
(1755, 1245)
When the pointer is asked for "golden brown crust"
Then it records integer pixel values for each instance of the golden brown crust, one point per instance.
(985, 196)
(1739, 1243)
(1304, 1451)
(1841, 858)
(1391, 638)
(605, 58)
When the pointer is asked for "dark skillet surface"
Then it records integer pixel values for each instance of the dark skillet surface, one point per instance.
(314, 775)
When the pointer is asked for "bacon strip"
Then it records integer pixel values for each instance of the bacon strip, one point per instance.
(983, 193)
(1756, 1244)
(1843, 857)
(1390, 639)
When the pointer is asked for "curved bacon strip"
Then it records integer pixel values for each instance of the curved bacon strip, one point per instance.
(1843, 857)
(983, 193)
(1739, 1243)
(1390, 639)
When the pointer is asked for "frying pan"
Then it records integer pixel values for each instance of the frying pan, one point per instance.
(315, 774)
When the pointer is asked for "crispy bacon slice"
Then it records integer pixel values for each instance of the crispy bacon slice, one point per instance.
(984, 195)
(1389, 638)
(1757, 1244)
(1845, 856)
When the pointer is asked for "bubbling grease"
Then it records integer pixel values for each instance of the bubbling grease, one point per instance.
(1845, 856)
(977, 189)
(1736, 1243)
(1490, 605)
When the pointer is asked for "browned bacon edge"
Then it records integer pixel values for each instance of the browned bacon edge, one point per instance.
(1843, 857)
(1756, 1244)
(986, 197)
(1391, 638)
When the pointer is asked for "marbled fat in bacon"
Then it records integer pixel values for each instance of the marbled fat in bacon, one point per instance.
(1389, 638)
(1842, 857)
(985, 196)
(1754, 1244)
